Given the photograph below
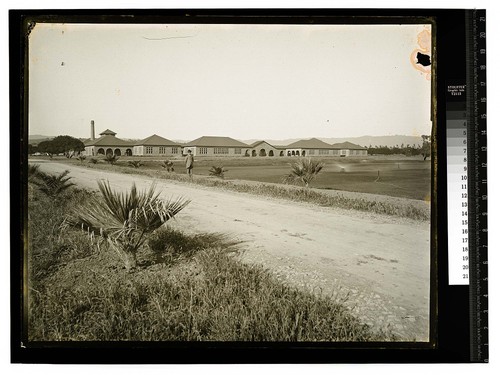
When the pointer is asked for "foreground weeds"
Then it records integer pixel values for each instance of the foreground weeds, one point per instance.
(186, 288)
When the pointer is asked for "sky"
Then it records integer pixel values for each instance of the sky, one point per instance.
(242, 81)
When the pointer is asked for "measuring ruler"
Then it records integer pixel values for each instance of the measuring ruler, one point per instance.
(458, 184)
(467, 183)
(477, 190)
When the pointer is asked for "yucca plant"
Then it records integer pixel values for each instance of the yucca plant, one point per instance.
(168, 165)
(33, 170)
(134, 163)
(81, 157)
(111, 159)
(217, 171)
(93, 160)
(126, 220)
(52, 185)
(304, 171)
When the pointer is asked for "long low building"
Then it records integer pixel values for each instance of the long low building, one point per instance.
(316, 147)
(157, 146)
(214, 146)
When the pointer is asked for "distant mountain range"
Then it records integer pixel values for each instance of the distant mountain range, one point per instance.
(37, 138)
(366, 141)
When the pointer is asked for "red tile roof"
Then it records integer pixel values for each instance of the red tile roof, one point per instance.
(107, 132)
(259, 142)
(156, 140)
(313, 143)
(109, 140)
(211, 141)
(348, 145)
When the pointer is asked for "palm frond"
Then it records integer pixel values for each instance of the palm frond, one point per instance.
(111, 158)
(53, 185)
(125, 219)
(217, 171)
(304, 171)
(134, 163)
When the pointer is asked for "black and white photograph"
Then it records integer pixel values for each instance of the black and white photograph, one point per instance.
(229, 182)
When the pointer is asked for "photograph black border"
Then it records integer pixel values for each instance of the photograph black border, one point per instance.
(449, 323)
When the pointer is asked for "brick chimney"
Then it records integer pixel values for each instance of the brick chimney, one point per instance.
(92, 130)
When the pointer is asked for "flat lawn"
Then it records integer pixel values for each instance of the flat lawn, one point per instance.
(403, 177)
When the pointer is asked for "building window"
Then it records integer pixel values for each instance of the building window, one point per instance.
(149, 149)
(175, 150)
(162, 150)
(203, 150)
(221, 150)
(312, 152)
(237, 151)
(324, 152)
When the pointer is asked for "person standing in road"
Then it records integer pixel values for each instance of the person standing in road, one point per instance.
(189, 163)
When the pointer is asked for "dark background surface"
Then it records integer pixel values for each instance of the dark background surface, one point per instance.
(451, 338)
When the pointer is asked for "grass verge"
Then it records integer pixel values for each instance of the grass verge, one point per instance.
(188, 288)
(287, 192)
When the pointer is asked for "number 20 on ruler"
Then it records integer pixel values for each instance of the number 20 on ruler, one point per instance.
(465, 217)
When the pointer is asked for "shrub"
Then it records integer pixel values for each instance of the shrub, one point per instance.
(304, 171)
(111, 159)
(126, 220)
(217, 171)
(168, 165)
(134, 163)
(81, 158)
(33, 170)
(51, 185)
(93, 160)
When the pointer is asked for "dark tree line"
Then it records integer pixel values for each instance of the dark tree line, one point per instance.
(63, 144)
(409, 150)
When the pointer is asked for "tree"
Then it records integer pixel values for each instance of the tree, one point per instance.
(62, 144)
(125, 220)
(426, 146)
(32, 149)
(45, 147)
(304, 171)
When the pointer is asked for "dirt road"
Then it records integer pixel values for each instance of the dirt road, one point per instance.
(379, 265)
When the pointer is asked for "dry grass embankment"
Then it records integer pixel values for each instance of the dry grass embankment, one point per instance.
(185, 288)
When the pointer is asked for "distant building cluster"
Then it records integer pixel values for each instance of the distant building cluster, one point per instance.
(212, 146)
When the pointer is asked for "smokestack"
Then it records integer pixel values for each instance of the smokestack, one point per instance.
(92, 130)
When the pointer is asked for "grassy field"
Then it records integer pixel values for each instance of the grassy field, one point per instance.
(403, 177)
(185, 288)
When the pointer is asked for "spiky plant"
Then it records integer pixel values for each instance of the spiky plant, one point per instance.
(111, 159)
(304, 171)
(33, 170)
(168, 165)
(126, 220)
(134, 163)
(217, 171)
(81, 157)
(93, 160)
(53, 185)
